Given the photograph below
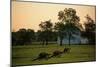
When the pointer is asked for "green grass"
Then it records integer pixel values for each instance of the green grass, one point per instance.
(23, 55)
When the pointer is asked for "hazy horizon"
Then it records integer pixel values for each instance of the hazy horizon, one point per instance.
(30, 14)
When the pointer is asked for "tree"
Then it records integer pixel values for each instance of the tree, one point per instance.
(70, 21)
(40, 37)
(89, 30)
(23, 36)
(14, 38)
(30, 35)
(46, 29)
(60, 27)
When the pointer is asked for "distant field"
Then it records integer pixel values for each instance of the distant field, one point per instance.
(23, 55)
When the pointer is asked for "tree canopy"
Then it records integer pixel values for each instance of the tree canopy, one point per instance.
(89, 30)
(46, 30)
(69, 23)
(23, 36)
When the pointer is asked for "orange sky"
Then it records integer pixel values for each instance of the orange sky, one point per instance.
(30, 14)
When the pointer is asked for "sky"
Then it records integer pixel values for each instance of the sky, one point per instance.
(30, 14)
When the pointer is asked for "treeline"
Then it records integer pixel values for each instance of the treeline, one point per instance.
(67, 26)
(29, 36)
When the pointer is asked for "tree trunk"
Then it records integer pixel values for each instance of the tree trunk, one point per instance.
(60, 41)
(43, 42)
(47, 42)
(69, 38)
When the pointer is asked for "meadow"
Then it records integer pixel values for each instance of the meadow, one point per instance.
(23, 55)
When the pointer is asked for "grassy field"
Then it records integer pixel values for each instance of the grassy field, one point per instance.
(23, 55)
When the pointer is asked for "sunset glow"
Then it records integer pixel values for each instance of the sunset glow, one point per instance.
(30, 14)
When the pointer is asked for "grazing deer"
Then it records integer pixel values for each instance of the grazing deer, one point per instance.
(56, 53)
(42, 55)
(66, 50)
